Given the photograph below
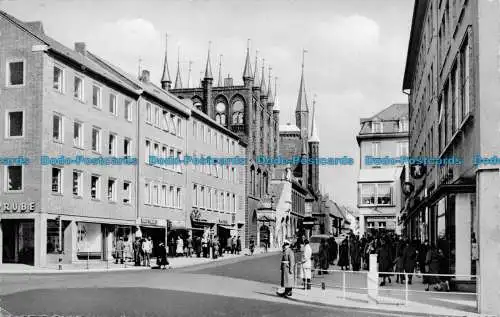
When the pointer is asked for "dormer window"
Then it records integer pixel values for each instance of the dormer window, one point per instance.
(403, 125)
(376, 127)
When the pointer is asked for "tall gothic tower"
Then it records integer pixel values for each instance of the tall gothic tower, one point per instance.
(314, 152)
(302, 122)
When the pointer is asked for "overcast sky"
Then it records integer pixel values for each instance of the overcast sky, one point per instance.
(355, 60)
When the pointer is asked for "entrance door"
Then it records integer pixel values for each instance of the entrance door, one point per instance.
(264, 236)
(18, 241)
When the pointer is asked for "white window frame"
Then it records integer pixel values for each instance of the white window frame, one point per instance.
(164, 120)
(163, 195)
(6, 179)
(81, 139)
(79, 183)
(178, 197)
(375, 149)
(59, 180)
(128, 112)
(378, 124)
(113, 196)
(127, 194)
(149, 113)
(147, 150)
(61, 127)
(62, 81)
(113, 107)
(147, 195)
(112, 145)
(7, 124)
(179, 127)
(98, 141)
(127, 147)
(7, 72)
(99, 96)
(81, 97)
(98, 187)
(401, 146)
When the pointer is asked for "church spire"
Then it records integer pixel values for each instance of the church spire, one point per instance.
(178, 77)
(256, 70)
(208, 68)
(263, 80)
(190, 81)
(270, 97)
(219, 79)
(247, 70)
(302, 98)
(276, 99)
(314, 130)
(166, 81)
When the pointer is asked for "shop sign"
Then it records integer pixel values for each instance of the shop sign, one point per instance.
(17, 206)
(223, 221)
(196, 216)
(153, 222)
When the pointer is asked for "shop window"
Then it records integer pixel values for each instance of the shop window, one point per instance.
(53, 238)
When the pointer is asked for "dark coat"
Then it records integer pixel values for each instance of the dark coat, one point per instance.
(287, 268)
(409, 258)
(385, 258)
(162, 256)
(323, 256)
(343, 255)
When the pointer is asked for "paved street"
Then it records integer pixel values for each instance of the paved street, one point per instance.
(240, 287)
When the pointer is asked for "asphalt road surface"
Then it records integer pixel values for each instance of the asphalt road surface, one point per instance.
(242, 287)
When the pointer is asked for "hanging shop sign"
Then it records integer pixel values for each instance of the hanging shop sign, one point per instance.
(417, 171)
(12, 207)
(408, 188)
(196, 215)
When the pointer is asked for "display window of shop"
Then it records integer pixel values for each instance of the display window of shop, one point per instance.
(89, 240)
(53, 237)
(375, 194)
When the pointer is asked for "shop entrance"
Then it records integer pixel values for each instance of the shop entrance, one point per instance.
(264, 236)
(223, 233)
(157, 235)
(18, 241)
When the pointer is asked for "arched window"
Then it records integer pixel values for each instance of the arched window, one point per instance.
(259, 183)
(266, 188)
(252, 180)
(197, 104)
(220, 113)
(238, 112)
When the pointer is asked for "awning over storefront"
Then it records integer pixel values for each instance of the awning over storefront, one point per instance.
(379, 174)
(226, 227)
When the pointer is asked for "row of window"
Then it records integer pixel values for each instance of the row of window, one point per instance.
(210, 136)
(78, 90)
(227, 172)
(163, 120)
(153, 149)
(402, 149)
(400, 126)
(163, 195)
(259, 183)
(95, 183)
(375, 194)
(96, 137)
(211, 198)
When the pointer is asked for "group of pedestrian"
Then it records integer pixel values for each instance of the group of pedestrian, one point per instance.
(143, 248)
(203, 246)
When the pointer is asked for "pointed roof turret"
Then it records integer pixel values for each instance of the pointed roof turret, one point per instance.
(165, 78)
(276, 101)
(302, 98)
(263, 80)
(247, 70)
(219, 79)
(208, 68)
(256, 82)
(270, 97)
(190, 80)
(178, 77)
(314, 130)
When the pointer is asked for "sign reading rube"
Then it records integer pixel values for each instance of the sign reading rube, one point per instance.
(17, 206)
(223, 221)
(145, 221)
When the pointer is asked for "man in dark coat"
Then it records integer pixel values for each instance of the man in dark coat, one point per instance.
(332, 250)
(422, 253)
(323, 257)
(344, 255)
(410, 259)
(355, 253)
(287, 268)
(238, 245)
(384, 260)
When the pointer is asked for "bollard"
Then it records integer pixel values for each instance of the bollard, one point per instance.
(60, 261)
(343, 284)
(323, 286)
(406, 289)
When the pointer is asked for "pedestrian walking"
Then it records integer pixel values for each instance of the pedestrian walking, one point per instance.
(323, 257)
(204, 244)
(287, 267)
(238, 245)
(180, 246)
(385, 260)
(410, 260)
(189, 246)
(161, 259)
(147, 248)
(119, 251)
(137, 251)
(307, 264)
(252, 246)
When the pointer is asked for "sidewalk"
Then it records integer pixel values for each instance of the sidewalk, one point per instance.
(107, 266)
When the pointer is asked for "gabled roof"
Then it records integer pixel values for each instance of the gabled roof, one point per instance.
(36, 29)
(394, 112)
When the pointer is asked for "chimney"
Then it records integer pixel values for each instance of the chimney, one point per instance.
(228, 82)
(81, 48)
(36, 26)
(145, 76)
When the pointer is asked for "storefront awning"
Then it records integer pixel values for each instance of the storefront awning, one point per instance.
(226, 227)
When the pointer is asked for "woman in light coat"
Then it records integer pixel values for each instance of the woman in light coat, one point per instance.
(307, 264)
(180, 247)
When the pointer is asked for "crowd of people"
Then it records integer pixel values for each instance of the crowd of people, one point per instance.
(397, 256)
(201, 246)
